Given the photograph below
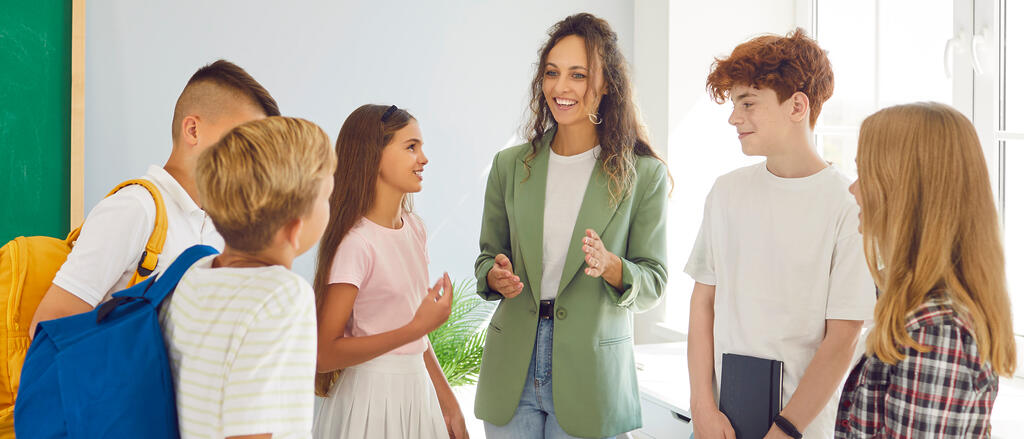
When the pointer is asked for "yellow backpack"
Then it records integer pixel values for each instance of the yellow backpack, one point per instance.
(27, 267)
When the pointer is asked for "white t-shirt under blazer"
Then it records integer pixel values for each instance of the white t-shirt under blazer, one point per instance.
(568, 177)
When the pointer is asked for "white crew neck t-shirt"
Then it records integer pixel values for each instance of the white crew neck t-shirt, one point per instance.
(784, 255)
(568, 177)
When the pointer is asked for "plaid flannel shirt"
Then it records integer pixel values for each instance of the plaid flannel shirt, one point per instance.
(945, 393)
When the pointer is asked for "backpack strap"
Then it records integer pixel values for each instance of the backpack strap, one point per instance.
(73, 236)
(155, 245)
(168, 281)
(154, 290)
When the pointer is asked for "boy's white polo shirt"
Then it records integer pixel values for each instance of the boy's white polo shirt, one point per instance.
(784, 255)
(115, 233)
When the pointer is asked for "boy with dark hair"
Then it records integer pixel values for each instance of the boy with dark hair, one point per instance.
(778, 264)
(113, 238)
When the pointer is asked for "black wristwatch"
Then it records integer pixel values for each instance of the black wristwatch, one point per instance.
(787, 427)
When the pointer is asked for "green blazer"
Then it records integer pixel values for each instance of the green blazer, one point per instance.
(593, 373)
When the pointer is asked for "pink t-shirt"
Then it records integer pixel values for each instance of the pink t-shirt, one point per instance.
(389, 267)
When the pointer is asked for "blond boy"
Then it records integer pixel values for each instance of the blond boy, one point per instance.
(241, 327)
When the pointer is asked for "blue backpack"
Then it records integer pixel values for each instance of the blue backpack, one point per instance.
(105, 373)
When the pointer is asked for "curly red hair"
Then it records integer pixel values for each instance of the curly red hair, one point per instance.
(784, 64)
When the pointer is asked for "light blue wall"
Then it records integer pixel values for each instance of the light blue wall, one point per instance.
(461, 67)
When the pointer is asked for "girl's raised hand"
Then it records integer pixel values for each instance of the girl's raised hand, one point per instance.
(435, 307)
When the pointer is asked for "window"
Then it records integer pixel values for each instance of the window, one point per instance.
(882, 54)
(1013, 226)
(1009, 149)
(965, 53)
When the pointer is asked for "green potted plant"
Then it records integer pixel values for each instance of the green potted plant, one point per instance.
(459, 342)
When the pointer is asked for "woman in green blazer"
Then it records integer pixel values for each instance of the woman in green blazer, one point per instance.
(572, 244)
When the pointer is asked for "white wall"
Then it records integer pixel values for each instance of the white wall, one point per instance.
(651, 79)
(701, 143)
(650, 68)
(461, 67)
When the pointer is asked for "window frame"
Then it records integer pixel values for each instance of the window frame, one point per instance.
(981, 96)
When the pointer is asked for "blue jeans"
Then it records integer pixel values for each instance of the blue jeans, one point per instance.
(535, 415)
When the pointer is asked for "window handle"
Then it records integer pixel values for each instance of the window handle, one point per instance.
(953, 46)
(977, 45)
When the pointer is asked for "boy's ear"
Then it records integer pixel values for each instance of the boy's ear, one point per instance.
(801, 107)
(190, 130)
(293, 232)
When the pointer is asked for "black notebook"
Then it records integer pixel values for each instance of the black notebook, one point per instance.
(751, 394)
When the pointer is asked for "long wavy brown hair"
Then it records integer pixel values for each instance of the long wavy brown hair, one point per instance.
(359, 148)
(930, 224)
(621, 134)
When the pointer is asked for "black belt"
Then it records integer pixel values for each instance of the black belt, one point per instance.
(547, 309)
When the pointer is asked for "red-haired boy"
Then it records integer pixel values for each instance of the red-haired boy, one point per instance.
(778, 264)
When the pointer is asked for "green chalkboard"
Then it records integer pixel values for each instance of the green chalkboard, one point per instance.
(35, 108)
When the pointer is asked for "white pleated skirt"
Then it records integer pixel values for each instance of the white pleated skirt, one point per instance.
(388, 397)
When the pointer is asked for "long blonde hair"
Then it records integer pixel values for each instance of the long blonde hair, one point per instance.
(930, 223)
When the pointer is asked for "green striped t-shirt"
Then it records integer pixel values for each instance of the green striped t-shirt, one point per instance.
(242, 343)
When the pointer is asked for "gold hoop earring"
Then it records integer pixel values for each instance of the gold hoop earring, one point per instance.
(595, 118)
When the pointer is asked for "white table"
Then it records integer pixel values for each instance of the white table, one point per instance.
(664, 390)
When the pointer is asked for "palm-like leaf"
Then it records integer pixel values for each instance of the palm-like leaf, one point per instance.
(459, 342)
